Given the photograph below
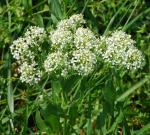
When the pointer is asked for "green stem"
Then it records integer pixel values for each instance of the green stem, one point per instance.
(113, 18)
(135, 19)
(132, 13)
(85, 6)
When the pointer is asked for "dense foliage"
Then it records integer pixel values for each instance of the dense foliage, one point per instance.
(88, 77)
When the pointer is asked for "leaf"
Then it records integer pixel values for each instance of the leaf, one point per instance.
(126, 130)
(56, 90)
(135, 19)
(39, 20)
(89, 127)
(10, 89)
(109, 97)
(10, 98)
(70, 82)
(56, 86)
(132, 89)
(113, 18)
(116, 122)
(100, 122)
(40, 122)
(136, 4)
(27, 4)
(54, 19)
(51, 115)
(109, 91)
(143, 131)
(54, 123)
(55, 7)
(73, 114)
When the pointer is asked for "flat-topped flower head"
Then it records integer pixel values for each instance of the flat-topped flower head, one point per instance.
(19, 47)
(120, 51)
(120, 38)
(25, 50)
(83, 62)
(37, 34)
(30, 73)
(61, 38)
(72, 23)
(84, 38)
(135, 59)
(54, 62)
(76, 20)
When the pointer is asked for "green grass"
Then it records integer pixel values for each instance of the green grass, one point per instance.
(109, 102)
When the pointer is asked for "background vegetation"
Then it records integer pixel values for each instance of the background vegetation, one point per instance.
(106, 103)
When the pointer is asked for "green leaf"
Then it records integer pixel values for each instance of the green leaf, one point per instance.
(132, 89)
(27, 4)
(10, 97)
(51, 115)
(69, 83)
(109, 91)
(39, 20)
(126, 129)
(56, 90)
(118, 119)
(40, 122)
(54, 19)
(132, 22)
(56, 8)
(10, 89)
(115, 15)
(56, 86)
(143, 131)
(100, 122)
(53, 121)
(89, 127)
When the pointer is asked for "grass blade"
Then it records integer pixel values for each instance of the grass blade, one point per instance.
(137, 2)
(132, 89)
(143, 130)
(113, 18)
(135, 19)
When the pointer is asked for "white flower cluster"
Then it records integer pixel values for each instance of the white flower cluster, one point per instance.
(25, 51)
(85, 39)
(120, 51)
(83, 61)
(73, 50)
(72, 23)
(36, 34)
(61, 38)
(30, 73)
(54, 62)
(73, 46)
(19, 49)
(81, 49)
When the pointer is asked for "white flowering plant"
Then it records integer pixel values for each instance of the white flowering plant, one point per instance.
(73, 49)
(78, 66)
